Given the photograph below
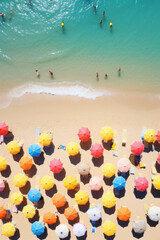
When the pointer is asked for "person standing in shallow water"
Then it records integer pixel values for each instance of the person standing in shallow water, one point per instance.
(37, 73)
(51, 73)
(119, 71)
(97, 76)
(2, 16)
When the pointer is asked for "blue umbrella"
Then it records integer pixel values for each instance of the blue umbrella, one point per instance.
(37, 228)
(34, 195)
(34, 150)
(119, 183)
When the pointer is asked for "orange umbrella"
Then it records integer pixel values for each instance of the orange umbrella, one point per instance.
(49, 218)
(70, 213)
(3, 212)
(58, 200)
(123, 214)
(25, 163)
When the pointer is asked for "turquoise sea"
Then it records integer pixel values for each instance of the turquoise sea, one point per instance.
(31, 37)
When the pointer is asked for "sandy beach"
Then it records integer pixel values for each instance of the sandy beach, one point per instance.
(64, 116)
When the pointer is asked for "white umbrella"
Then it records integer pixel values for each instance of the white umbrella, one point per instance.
(84, 168)
(154, 213)
(139, 226)
(62, 231)
(94, 214)
(79, 229)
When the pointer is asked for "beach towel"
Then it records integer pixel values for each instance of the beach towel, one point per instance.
(37, 131)
(62, 147)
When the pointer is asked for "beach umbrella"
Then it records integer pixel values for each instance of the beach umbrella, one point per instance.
(158, 158)
(94, 214)
(81, 197)
(156, 182)
(25, 163)
(8, 229)
(79, 229)
(13, 147)
(109, 228)
(137, 148)
(154, 213)
(108, 170)
(108, 200)
(123, 214)
(29, 211)
(20, 180)
(72, 148)
(141, 184)
(124, 165)
(84, 134)
(62, 231)
(95, 183)
(16, 198)
(139, 226)
(96, 150)
(70, 213)
(119, 183)
(37, 228)
(49, 218)
(149, 135)
(158, 136)
(3, 212)
(56, 165)
(3, 128)
(47, 182)
(3, 164)
(70, 183)
(2, 185)
(107, 133)
(45, 139)
(34, 150)
(84, 168)
(34, 195)
(58, 200)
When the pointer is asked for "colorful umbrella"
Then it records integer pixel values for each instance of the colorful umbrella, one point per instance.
(94, 214)
(20, 180)
(108, 200)
(84, 168)
(3, 128)
(109, 228)
(156, 182)
(108, 170)
(124, 165)
(139, 226)
(62, 231)
(13, 147)
(2, 185)
(154, 213)
(137, 148)
(8, 229)
(123, 214)
(49, 218)
(37, 228)
(95, 183)
(119, 183)
(158, 136)
(29, 211)
(3, 212)
(34, 150)
(79, 229)
(84, 134)
(25, 163)
(70, 183)
(16, 198)
(34, 195)
(81, 197)
(70, 213)
(96, 150)
(149, 135)
(107, 133)
(158, 158)
(58, 200)
(72, 148)
(45, 139)
(141, 184)
(3, 164)
(47, 182)
(56, 165)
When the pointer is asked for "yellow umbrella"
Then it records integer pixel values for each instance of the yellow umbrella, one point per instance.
(108, 170)
(109, 228)
(47, 182)
(29, 211)
(13, 147)
(70, 183)
(3, 164)
(72, 148)
(108, 200)
(107, 133)
(149, 135)
(16, 198)
(81, 198)
(156, 182)
(45, 139)
(20, 180)
(8, 229)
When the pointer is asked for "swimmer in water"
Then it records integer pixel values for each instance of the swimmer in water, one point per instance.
(37, 73)
(51, 73)
(105, 75)
(2, 16)
(62, 24)
(103, 13)
(10, 15)
(100, 21)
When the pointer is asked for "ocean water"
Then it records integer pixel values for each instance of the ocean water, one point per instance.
(32, 38)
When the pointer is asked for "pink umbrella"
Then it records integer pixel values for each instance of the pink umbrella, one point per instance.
(95, 183)
(158, 158)
(158, 136)
(141, 184)
(2, 185)
(123, 165)
(56, 165)
(137, 148)
(96, 150)
(84, 134)
(3, 128)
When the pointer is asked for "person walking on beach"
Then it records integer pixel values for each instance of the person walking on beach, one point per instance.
(37, 73)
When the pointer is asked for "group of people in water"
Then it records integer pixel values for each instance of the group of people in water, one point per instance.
(106, 75)
(50, 73)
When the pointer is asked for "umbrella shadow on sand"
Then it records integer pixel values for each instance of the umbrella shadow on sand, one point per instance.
(7, 172)
(139, 194)
(86, 145)
(19, 155)
(35, 218)
(5, 193)
(137, 235)
(84, 208)
(67, 238)
(8, 137)
(26, 188)
(49, 150)
(31, 172)
(108, 181)
(60, 176)
(97, 162)
(155, 192)
(83, 237)
(23, 204)
(76, 220)
(109, 237)
(151, 223)
(85, 179)
(157, 146)
(120, 194)
(75, 159)
(53, 226)
(43, 235)
(16, 235)
(157, 166)
(107, 145)
(62, 209)
(97, 194)
(122, 223)
(51, 191)
(39, 160)
(109, 211)
(96, 223)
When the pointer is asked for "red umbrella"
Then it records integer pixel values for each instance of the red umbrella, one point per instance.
(158, 136)
(56, 165)
(84, 134)
(141, 184)
(96, 150)
(3, 128)
(158, 158)
(137, 148)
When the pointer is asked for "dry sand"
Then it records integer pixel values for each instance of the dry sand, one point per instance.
(64, 116)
